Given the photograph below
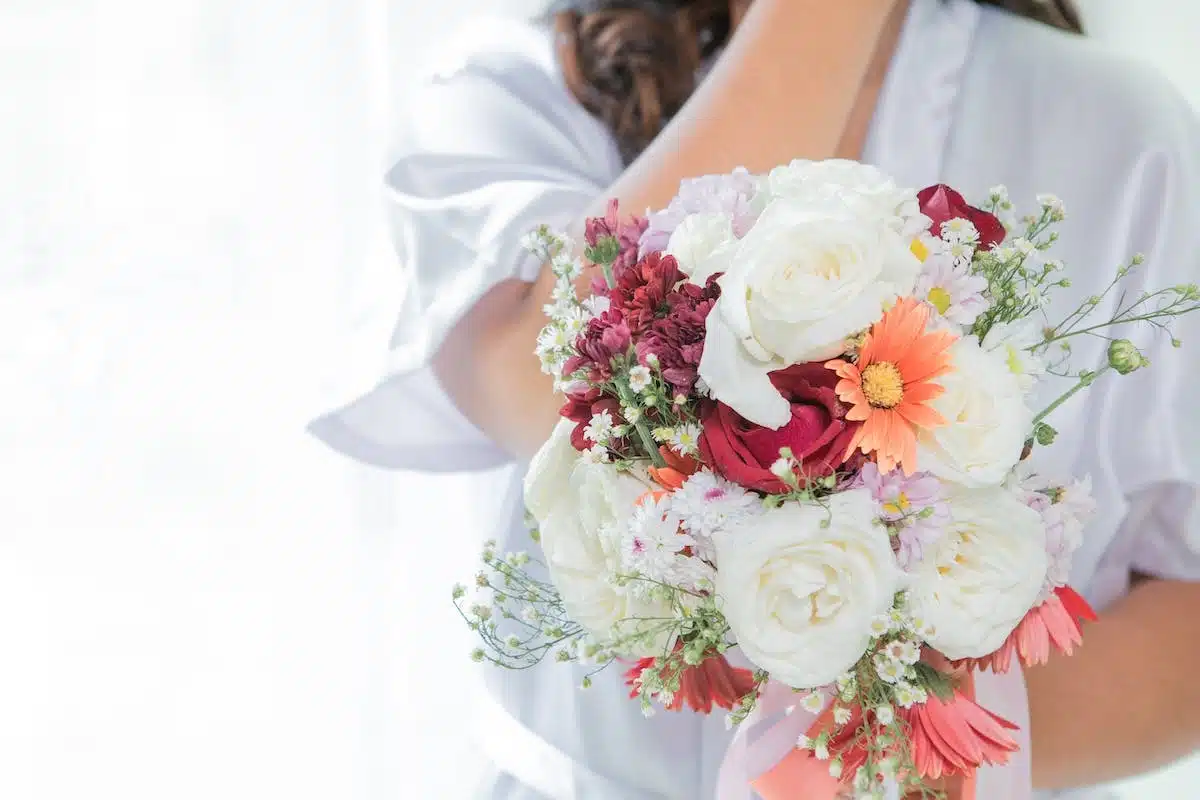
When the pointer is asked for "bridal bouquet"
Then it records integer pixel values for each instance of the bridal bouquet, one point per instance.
(797, 424)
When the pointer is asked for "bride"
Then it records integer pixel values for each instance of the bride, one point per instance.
(541, 122)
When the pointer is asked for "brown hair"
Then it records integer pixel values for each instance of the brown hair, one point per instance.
(633, 63)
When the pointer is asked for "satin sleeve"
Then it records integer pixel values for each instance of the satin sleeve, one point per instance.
(493, 145)
(1154, 413)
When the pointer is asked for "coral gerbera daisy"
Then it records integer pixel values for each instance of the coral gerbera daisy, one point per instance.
(891, 384)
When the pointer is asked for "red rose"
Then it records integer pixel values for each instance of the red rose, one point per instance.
(818, 433)
(941, 204)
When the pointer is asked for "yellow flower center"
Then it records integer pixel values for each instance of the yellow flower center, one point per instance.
(919, 250)
(899, 506)
(883, 385)
(1014, 360)
(940, 299)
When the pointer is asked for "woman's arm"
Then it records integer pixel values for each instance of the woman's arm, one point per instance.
(784, 89)
(1129, 700)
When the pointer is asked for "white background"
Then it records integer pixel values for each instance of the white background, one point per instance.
(196, 600)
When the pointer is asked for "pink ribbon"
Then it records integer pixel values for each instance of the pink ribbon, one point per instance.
(763, 757)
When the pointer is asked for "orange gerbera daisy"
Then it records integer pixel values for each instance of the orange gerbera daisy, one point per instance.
(891, 384)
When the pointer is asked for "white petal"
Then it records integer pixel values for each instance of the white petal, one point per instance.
(739, 380)
(548, 479)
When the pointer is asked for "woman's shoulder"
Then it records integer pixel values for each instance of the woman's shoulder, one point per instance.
(1088, 93)
(498, 77)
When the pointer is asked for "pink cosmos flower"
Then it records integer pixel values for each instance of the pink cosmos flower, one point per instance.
(914, 502)
(952, 291)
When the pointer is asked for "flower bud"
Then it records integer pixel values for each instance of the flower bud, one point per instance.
(1124, 357)
(1044, 434)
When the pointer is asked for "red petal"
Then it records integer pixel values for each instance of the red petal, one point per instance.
(1076, 606)
(957, 737)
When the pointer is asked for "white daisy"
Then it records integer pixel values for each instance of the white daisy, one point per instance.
(596, 454)
(906, 695)
(959, 230)
(905, 651)
(889, 671)
(639, 378)
(600, 429)
(566, 267)
(813, 702)
(686, 439)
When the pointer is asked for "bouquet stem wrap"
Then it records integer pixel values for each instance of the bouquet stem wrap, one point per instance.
(763, 760)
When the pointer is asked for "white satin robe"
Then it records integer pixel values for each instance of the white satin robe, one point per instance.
(494, 144)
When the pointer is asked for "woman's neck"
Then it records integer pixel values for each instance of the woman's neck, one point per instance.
(858, 124)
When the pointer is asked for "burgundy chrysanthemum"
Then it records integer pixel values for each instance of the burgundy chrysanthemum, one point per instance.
(642, 290)
(677, 339)
(604, 338)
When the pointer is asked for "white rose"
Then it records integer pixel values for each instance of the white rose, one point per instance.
(1010, 341)
(703, 245)
(982, 577)
(987, 420)
(799, 597)
(581, 540)
(866, 188)
(799, 284)
(548, 480)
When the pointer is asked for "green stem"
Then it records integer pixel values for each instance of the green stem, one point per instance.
(1150, 317)
(648, 443)
(1074, 390)
(609, 278)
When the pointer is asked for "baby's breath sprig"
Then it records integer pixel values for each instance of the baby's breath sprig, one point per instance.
(521, 620)
(524, 621)
(802, 488)
(873, 697)
(1157, 308)
(1019, 279)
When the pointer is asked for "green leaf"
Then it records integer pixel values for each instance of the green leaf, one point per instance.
(936, 683)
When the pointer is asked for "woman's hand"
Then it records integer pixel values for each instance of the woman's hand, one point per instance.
(950, 787)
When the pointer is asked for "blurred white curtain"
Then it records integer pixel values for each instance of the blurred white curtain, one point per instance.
(196, 599)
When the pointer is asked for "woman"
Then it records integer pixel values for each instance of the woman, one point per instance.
(527, 123)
